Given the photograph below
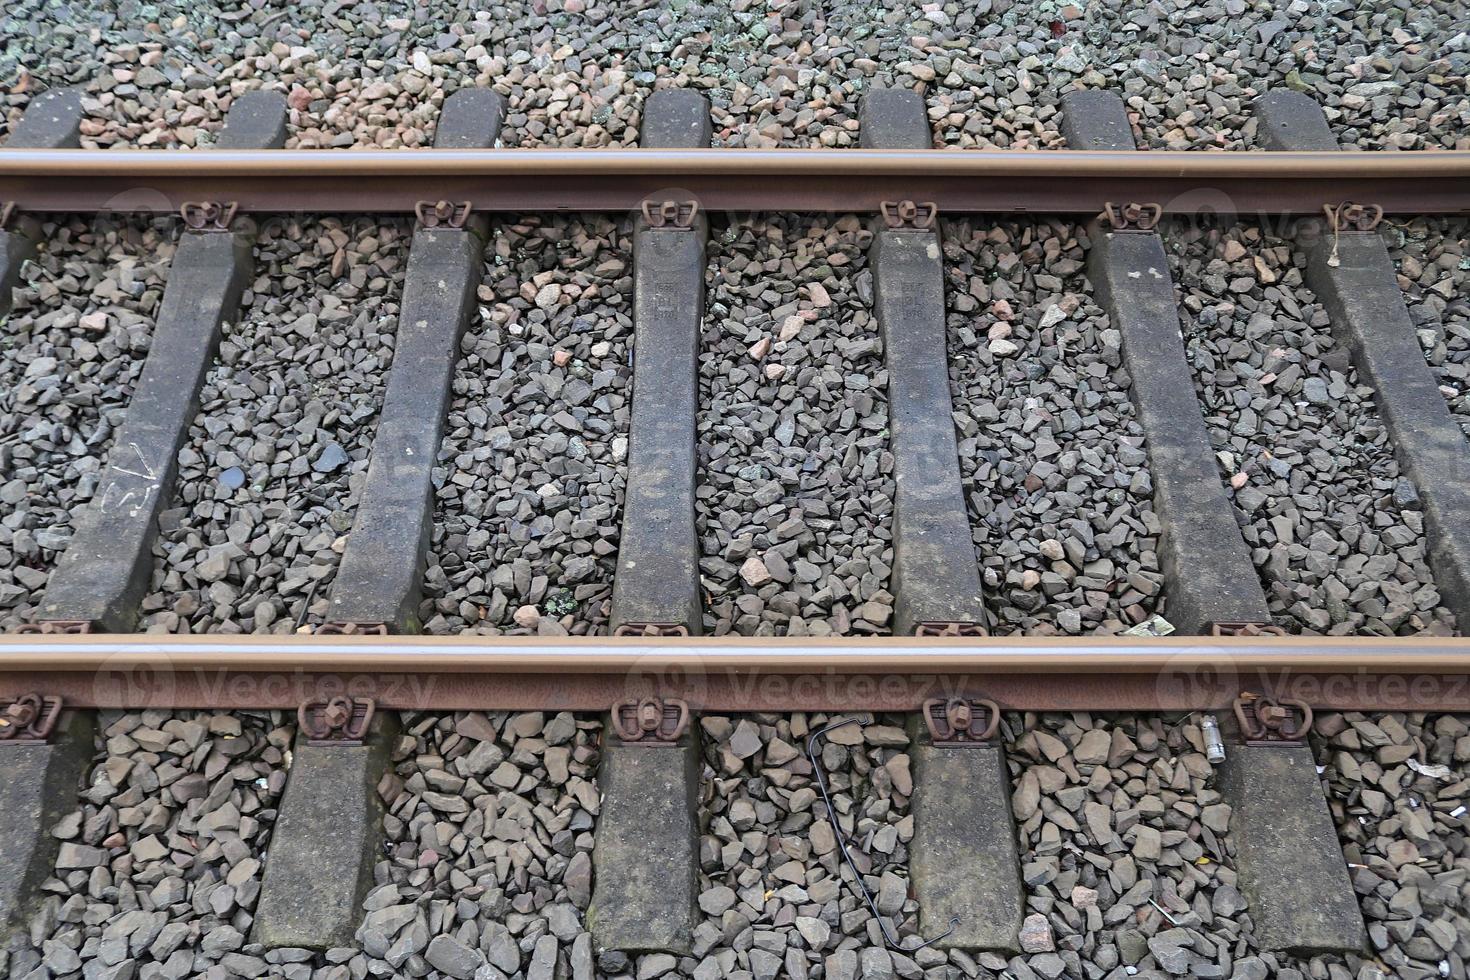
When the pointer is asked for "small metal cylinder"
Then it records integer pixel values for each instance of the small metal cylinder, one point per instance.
(1214, 745)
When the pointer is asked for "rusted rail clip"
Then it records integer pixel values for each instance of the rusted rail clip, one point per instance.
(340, 721)
(7, 211)
(1266, 720)
(671, 215)
(352, 629)
(961, 722)
(909, 215)
(55, 627)
(1132, 217)
(208, 215)
(651, 721)
(1245, 629)
(1348, 216)
(651, 629)
(29, 719)
(442, 214)
(950, 628)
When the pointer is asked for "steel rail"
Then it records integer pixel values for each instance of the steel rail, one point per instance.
(394, 181)
(738, 674)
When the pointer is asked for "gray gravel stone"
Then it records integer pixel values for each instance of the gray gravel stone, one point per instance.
(574, 72)
(284, 405)
(773, 897)
(1432, 255)
(1396, 785)
(448, 955)
(529, 503)
(1315, 481)
(74, 347)
(796, 481)
(170, 826)
(1052, 458)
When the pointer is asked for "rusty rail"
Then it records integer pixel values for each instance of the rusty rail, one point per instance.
(398, 181)
(730, 674)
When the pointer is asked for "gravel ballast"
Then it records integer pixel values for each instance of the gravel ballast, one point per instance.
(529, 506)
(487, 869)
(486, 865)
(1432, 256)
(1051, 455)
(1128, 850)
(1398, 786)
(1334, 529)
(160, 865)
(795, 487)
(72, 349)
(269, 473)
(776, 898)
(1125, 853)
(575, 71)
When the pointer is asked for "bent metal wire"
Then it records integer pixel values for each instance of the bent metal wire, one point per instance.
(813, 753)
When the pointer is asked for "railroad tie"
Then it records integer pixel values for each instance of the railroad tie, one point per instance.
(1287, 853)
(328, 835)
(963, 862)
(102, 576)
(1352, 274)
(656, 588)
(1209, 579)
(52, 120)
(646, 849)
(936, 578)
(39, 783)
(964, 866)
(379, 582)
(646, 846)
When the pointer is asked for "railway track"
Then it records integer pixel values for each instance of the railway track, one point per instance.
(671, 790)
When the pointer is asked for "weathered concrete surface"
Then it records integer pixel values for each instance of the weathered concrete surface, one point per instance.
(1288, 120)
(105, 570)
(470, 120)
(963, 860)
(1291, 866)
(936, 576)
(646, 850)
(51, 121)
(658, 553)
(382, 568)
(326, 840)
(1096, 119)
(1366, 306)
(675, 119)
(39, 784)
(894, 119)
(256, 121)
(1208, 573)
(381, 576)
(17, 246)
